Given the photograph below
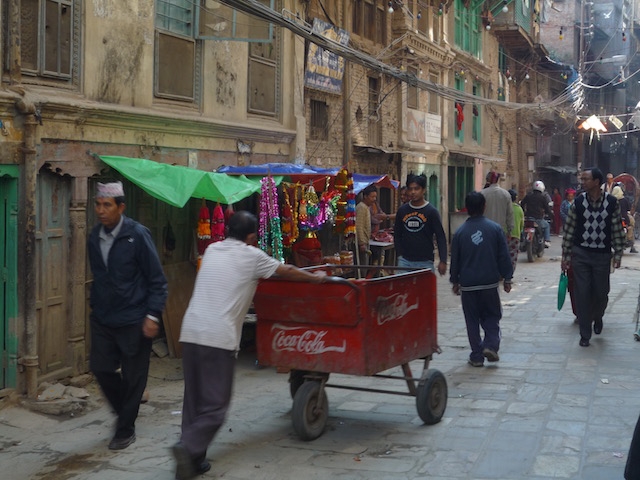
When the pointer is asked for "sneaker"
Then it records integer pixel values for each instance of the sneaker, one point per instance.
(547, 244)
(633, 250)
(473, 363)
(490, 355)
(637, 336)
(584, 342)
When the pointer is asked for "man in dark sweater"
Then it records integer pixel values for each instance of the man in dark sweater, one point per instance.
(479, 259)
(417, 223)
(593, 228)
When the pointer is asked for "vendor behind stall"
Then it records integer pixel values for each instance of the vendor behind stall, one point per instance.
(364, 222)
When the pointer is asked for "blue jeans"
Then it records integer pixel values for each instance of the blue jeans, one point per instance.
(402, 262)
(546, 229)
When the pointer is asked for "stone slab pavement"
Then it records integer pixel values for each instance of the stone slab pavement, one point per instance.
(548, 409)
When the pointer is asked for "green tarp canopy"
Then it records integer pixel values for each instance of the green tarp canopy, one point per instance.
(175, 184)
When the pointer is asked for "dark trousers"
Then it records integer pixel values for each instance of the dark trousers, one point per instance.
(128, 349)
(590, 287)
(482, 308)
(632, 469)
(208, 379)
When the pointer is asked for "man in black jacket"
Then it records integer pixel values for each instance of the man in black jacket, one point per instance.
(128, 294)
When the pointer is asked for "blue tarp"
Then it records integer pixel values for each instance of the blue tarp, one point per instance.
(305, 173)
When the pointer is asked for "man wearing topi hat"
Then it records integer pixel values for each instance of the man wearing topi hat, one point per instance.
(128, 294)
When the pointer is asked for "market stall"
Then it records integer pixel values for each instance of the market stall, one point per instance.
(306, 215)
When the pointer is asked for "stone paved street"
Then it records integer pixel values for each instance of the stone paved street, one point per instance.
(548, 409)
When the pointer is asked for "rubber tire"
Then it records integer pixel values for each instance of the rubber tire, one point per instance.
(636, 228)
(431, 399)
(296, 379)
(540, 252)
(309, 422)
(530, 252)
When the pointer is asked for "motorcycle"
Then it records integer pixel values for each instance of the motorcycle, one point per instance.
(532, 240)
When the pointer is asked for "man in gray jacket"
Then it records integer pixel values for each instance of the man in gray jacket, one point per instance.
(498, 207)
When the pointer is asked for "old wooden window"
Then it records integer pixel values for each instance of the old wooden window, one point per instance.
(47, 37)
(319, 120)
(369, 20)
(176, 50)
(263, 85)
(467, 28)
(434, 100)
(412, 90)
(217, 21)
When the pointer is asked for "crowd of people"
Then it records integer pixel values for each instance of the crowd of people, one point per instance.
(129, 290)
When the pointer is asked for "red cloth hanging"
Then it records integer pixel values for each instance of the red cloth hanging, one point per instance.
(459, 115)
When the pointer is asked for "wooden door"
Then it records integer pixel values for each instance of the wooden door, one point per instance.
(52, 245)
(8, 279)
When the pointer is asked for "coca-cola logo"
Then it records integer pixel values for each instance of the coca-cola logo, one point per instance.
(394, 307)
(303, 340)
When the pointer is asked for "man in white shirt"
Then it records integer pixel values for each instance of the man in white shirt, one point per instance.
(211, 331)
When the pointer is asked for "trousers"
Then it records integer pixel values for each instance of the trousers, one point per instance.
(590, 286)
(208, 380)
(482, 308)
(127, 349)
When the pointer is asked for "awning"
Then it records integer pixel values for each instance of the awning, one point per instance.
(175, 184)
(306, 173)
(481, 156)
(560, 169)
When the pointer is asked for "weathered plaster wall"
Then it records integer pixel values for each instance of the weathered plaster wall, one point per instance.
(118, 51)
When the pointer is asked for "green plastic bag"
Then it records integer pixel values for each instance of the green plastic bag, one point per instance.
(563, 286)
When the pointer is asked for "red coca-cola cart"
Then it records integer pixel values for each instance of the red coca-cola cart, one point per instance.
(350, 326)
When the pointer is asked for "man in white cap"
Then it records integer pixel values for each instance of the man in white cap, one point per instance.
(128, 294)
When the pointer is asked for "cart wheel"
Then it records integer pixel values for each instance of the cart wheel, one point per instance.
(296, 379)
(432, 397)
(309, 418)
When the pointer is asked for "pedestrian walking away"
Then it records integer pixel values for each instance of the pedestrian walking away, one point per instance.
(479, 259)
(499, 207)
(128, 295)
(516, 233)
(417, 224)
(592, 230)
(211, 331)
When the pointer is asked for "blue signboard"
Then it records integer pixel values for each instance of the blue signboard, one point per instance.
(325, 69)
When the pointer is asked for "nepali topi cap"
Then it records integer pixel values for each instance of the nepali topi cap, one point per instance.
(110, 190)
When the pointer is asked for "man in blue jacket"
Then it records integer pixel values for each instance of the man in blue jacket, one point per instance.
(128, 294)
(479, 259)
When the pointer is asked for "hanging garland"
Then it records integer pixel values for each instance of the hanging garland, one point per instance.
(289, 218)
(204, 231)
(350, 218)
(217, 224)
(345, 219)
(270, 232)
